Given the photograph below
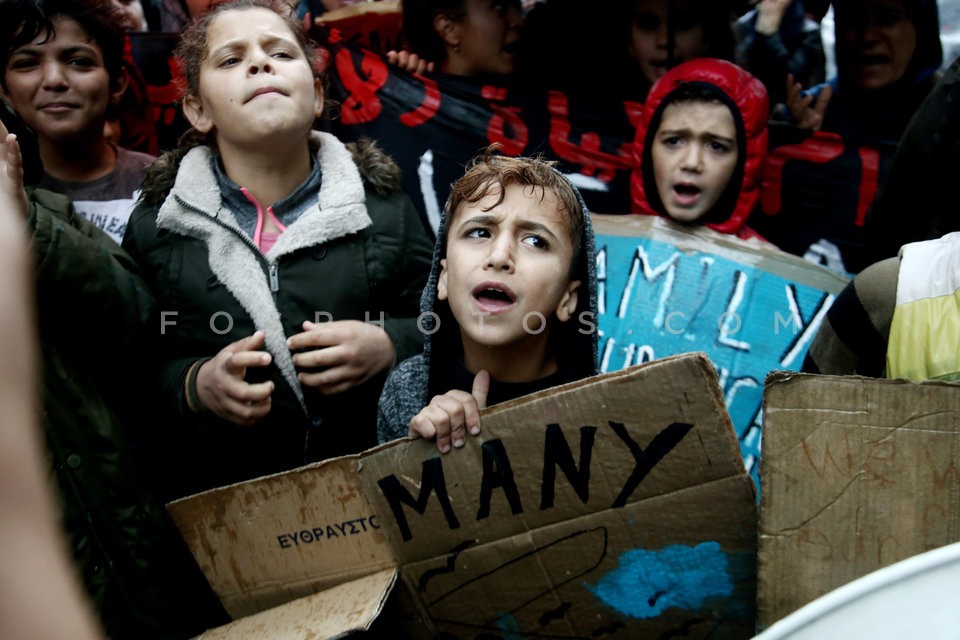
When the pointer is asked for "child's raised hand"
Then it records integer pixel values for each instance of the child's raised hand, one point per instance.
(223, 390)
(342, 353)
(770, 15)
(804, 115)
(12, 196)
(449, 417)
(409, 61)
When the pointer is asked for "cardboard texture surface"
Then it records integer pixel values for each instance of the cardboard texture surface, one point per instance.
(616, 506)
(340, 610)
(265, 542)
(667, 289)
(857, 473)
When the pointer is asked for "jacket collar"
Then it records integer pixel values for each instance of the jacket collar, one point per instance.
(195, 201)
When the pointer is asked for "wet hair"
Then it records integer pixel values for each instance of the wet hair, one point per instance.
(492, 173)
(417, 25)
(690, 93)
(489, 174)
(192, 50)
(26, 20)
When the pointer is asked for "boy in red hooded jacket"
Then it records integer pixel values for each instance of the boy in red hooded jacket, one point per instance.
(700, 146)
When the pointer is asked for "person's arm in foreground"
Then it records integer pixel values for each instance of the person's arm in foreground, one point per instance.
(40, 595)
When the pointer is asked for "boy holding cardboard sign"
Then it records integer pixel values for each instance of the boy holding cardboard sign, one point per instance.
(510, 306)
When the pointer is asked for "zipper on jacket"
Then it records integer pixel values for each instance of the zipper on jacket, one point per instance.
(216, 220)
(274, 279)
(272, 269)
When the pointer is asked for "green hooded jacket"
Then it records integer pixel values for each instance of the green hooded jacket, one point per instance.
(92, 309)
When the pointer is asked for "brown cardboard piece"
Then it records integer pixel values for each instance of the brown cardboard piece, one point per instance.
(351, 606)
(856, 474)
(615, 506)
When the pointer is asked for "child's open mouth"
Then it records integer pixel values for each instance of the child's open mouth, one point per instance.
(686, 195)
(494, 298)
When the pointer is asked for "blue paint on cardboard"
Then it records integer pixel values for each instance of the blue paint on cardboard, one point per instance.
(647, 583)
(657, 300)
(508, 626)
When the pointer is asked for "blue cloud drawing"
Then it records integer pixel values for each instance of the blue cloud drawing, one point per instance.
(647, 583)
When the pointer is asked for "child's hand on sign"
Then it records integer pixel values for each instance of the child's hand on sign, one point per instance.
(449, 417)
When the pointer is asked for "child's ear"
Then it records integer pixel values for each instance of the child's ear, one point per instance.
(442, 281)
(119, 86)
(568, 301)
(193, 110)
(446, 28)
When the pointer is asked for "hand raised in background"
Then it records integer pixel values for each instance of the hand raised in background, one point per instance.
(38, 576)
(806, 113)
(770, 15)
(409, 61)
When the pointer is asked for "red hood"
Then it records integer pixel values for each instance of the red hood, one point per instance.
(749, 96)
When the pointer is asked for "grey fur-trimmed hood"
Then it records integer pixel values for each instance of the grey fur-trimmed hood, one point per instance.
(379, 171)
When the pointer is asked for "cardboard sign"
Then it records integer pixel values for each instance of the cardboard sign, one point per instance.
(269, 541)
(345, 608)
(858, 473)
(917, 594)
(617, 506)
(668, 289)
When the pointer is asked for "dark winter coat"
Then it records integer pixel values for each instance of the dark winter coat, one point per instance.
(93, 309)
(359, 253)
(909, 206)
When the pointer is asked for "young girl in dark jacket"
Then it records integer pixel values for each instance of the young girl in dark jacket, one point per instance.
(287, 266)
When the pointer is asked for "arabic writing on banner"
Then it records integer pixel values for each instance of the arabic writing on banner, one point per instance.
(664, 290)
(434, 129)
(815, 193)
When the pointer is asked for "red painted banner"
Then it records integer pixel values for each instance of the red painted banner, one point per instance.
(816, 188)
